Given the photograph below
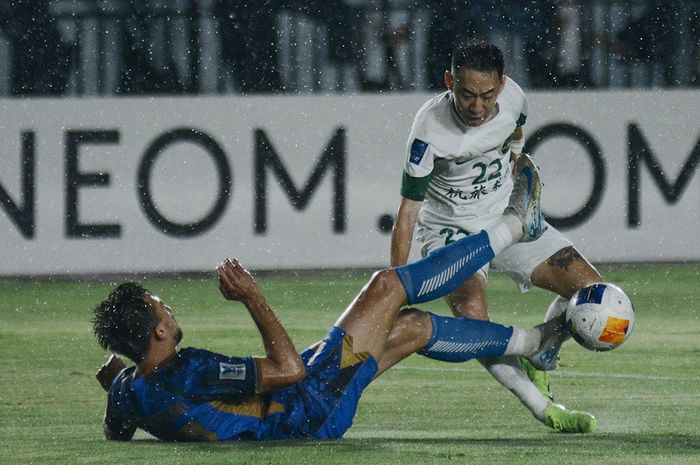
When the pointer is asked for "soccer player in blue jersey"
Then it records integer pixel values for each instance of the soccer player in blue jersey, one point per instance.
(195, 394)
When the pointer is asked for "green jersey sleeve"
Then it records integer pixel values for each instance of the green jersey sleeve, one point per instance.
(414, 188)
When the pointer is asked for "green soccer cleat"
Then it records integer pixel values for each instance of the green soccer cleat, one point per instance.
(538, 377)
(569, 421)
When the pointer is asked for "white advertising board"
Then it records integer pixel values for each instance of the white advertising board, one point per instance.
(295, 182)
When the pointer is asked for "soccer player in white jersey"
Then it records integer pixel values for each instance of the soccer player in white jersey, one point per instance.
(457, 180)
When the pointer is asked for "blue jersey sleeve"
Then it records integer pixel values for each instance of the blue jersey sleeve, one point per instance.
(205, 375)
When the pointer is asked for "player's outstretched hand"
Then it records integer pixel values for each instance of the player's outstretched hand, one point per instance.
(236, 283)
(107, 372)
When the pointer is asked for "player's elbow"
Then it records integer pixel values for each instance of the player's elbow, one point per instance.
(296, 371)
(288, 372)
(281, 372)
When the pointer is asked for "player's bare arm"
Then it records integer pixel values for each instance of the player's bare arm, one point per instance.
(517, 143)
(282, 366)
(402, 233)
(107, 372)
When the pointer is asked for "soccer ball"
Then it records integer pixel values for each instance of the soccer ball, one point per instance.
(600, 317)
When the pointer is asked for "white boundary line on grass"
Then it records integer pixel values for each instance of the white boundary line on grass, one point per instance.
(569, 374)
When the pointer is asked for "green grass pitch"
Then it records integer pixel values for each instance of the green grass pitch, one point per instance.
(645, 394)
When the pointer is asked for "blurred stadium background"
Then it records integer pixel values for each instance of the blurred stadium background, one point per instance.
(119, 47)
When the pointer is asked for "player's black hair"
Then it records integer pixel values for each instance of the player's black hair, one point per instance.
(477, 55)
(124, 321)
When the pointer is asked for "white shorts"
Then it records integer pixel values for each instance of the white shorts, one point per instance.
(517, 261)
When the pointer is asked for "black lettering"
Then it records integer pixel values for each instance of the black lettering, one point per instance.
(23, 217)
(223, 169)
(578, 134)
(638, 151)
(76, 179)
(266, 157)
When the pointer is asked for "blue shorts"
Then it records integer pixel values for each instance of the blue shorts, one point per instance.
(336, 377)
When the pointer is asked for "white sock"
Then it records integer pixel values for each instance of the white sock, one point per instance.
(509, 372)
(504, 232)
(524, 341)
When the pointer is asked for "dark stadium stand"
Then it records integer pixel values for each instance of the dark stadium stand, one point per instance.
(120, 47)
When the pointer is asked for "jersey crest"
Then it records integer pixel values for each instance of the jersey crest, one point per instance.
(418, 151)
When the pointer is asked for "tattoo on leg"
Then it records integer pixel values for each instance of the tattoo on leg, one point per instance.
(564, 258)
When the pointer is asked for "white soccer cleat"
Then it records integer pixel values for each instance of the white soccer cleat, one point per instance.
(554, 333)
(525, 199)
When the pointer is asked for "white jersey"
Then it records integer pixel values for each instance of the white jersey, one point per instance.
(461, 173)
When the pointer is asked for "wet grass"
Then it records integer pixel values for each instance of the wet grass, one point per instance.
(644, 394)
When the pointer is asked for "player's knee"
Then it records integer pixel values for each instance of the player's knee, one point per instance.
(468, 306)
(416, 323)
(469, 300)
(469, 309)
(384, 281)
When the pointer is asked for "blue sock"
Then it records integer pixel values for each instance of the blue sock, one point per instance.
(462, 339)
(445, 269)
